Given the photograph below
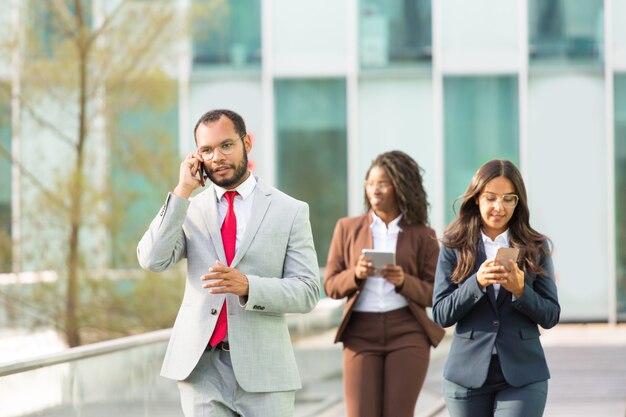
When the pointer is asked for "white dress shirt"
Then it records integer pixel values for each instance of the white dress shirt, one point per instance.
(491, 248)
(379, 295)
(242, 205)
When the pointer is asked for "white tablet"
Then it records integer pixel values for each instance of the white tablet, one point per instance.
(380, 258)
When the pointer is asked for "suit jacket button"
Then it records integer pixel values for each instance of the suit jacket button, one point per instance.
(213, 311)
(495, 323)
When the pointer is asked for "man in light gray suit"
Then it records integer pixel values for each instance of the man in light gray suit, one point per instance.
(250, 260)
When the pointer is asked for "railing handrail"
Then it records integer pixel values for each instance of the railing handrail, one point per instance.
(86, 351)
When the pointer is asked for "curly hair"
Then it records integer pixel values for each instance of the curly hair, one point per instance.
(406, 177)
(463, 233)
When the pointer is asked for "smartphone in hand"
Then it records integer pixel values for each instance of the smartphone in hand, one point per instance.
(379, 258)
(201, 172)
(504, 255)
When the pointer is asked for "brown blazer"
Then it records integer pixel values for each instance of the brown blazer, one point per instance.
(417, 251)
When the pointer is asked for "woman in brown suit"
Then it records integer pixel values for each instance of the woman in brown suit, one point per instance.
(384, 329)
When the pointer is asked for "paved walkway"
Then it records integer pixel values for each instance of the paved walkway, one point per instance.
(587, 363)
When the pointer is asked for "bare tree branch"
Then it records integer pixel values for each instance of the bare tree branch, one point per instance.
(5, 153)
(39, 119)
(106, 22)
(33, 310)
(133, 66)
(48, 125)
(145, 51)
(64, 14)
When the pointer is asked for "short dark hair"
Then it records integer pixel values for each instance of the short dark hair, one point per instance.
(214, 115)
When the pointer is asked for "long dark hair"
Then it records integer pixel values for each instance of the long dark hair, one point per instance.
(406, 178)
(464, 232)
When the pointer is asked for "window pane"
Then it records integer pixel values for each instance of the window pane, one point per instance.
(47, 36)
(620, 190)
(394, 32)
(5, 180)
(312, 151)
(566, 132)
(480, 36)
(226, 32)
(309, 37)
(565, 30)
(144, 161)
(619, 34)
(481, 123)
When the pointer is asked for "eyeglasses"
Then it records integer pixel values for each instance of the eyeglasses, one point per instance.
(225, 149)
(507, 200)
(373, 186)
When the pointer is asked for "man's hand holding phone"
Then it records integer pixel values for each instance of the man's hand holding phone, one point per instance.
(190, 176)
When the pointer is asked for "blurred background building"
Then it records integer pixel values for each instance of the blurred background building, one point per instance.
(325, 86)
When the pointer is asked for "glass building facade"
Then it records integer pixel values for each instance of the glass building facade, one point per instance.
(620, 191)
(325, 86)
(5, 181)
(481, 124)
(312, 150)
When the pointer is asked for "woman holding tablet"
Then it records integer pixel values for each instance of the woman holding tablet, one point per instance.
(496, 365)
(385, 331)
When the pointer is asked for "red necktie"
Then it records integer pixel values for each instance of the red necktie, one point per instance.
(229, 238)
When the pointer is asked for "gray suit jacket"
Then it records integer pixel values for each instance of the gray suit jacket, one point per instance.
(278, 257)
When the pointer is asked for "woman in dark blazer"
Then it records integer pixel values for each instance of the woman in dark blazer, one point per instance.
(496, 365)
(384, 329)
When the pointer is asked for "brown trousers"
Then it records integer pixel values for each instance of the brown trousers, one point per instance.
(385, 359)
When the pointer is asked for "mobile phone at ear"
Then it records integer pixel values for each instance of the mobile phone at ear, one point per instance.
(504, 255)
(203, 174)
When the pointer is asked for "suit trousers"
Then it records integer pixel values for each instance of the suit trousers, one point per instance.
(496, 398)
(212, 391)
(385, 359)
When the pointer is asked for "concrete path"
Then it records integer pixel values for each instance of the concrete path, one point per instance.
(588, 368)
(587, 363)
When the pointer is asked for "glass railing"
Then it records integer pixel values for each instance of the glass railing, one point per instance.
(113, 378)
(120, 378)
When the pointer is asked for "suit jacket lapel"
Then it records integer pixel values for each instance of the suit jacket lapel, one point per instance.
(403, 246)
(262, 199)
(212, 221)
(502, 295)
(369, 239)
(480, 258)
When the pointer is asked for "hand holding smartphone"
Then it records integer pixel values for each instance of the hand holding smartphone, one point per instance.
(504, 255)
(203, 174)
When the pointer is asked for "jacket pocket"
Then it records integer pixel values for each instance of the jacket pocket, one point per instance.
(465, 333)
(529, 333)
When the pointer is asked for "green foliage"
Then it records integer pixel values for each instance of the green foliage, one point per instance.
(109, 307)
(99, 151)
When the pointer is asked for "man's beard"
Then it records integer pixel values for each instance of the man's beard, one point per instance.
(240, 172)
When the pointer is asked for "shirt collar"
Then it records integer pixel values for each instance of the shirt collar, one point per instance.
(501, 238)
(244, 189)
(378, 221)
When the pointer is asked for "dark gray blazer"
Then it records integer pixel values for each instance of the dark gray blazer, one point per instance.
(483, 321)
